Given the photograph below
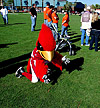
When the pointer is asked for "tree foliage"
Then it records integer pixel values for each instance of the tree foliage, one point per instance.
(96, 6)
(68, 6)
(7, 2)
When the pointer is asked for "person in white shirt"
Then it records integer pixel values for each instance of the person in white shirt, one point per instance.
(86, 19)
(4, 13)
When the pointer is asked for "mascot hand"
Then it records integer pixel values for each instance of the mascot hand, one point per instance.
(65, 60)
(46, 79)
(49, 72)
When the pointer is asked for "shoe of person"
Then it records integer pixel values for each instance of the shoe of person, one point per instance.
(97, 50)
(87, 45)
(81, 44)
(90, 48)
(19, 72)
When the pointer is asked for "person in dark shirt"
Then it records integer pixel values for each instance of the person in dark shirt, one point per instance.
(95, 33)
(33, 17)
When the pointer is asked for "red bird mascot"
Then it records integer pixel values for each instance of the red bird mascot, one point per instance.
(41, 57)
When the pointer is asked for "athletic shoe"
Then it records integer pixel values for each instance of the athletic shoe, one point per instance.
(81, 44)
(19, 72)
(87, 45)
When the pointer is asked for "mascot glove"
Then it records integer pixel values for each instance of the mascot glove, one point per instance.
(66, 60)
(49, 71)
(46, 79)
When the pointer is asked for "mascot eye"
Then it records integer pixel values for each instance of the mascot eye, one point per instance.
(39, 47)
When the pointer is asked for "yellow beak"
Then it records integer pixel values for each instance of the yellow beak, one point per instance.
(47, 55)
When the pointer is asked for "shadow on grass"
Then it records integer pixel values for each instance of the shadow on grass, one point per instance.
(6, 45)
(76, 39)
(54, 74)
(11, 65)
(3, 25)
(71, 33)
(59, 31)
(16, 24)
(37, 29)
(74, 64)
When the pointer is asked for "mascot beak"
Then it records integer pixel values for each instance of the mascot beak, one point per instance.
(47, 55)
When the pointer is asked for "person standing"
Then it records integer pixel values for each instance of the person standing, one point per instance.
(49, 15)
(45, 13)
(55, 19)
(95, 32)
(86, 19)
(33, 17)
(65, 24)
(4, 13)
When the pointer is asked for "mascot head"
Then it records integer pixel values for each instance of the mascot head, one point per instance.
(46, 43)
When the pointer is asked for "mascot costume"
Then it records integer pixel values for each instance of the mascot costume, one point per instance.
(44, 54)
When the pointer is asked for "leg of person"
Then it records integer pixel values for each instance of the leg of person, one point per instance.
(56, 26)
(92, 41)
(32, 77)
(66, 33)
(4, 19)
(55, 33)
(27, 75)
(33, 23)
(19, 72)
(49, 24)
(62, 31)
(46, 22)
(96, 40)
(82, 36)
(87, 40)
(7, 19)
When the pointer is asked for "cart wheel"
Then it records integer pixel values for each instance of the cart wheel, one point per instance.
(73, 52)
(70, 53)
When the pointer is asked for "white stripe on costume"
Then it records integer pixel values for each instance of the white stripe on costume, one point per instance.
(32, 54)
(34, 77)
(35, 63)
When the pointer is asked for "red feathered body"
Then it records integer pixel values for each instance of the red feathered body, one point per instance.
(39, 64)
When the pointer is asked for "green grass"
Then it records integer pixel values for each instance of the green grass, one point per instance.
(77, 87)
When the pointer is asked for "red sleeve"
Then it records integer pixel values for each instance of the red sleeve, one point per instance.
(57, 60)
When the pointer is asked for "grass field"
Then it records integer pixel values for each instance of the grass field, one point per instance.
(77, 87)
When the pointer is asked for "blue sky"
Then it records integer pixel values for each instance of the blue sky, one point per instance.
(88, 2)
